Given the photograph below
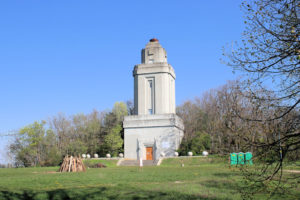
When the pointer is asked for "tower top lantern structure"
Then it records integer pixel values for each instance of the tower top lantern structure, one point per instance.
(154, 53)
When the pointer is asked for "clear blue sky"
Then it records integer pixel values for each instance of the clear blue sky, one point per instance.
(76, 56)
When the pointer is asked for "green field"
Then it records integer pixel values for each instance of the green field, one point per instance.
(198, 179)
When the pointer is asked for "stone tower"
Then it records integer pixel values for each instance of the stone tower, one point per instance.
(155, 130)
(154, 82)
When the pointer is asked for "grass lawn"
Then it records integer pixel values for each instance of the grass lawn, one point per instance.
(200, 178)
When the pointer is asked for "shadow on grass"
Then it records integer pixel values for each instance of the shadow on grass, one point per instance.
(98, 193)
(224, 175)
(222, 184)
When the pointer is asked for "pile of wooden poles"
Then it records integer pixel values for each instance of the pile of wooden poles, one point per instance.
(72, 164)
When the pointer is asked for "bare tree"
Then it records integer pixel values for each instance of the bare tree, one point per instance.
(269, 57)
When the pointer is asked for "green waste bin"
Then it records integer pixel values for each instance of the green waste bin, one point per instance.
(233, 159)
(241, 158)
(248, 158)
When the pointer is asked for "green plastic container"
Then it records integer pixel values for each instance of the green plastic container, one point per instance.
(241, 158)
(233, 159)
(248, 158)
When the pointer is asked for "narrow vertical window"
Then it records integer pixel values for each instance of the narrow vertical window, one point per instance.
(150, 96)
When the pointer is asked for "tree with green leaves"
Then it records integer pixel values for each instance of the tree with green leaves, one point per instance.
(120, 110)
(113, 142)
(35, 146)
(200, 142)
(31, 138)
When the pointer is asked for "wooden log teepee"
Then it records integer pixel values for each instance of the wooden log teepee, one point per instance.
(72, 164)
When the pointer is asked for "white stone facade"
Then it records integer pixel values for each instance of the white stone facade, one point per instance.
(155, 123)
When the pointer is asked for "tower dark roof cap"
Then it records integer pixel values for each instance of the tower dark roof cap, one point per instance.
(153, 40)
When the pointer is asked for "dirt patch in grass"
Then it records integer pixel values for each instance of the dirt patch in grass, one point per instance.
(178, 182)
(292, 171)
(49, 172)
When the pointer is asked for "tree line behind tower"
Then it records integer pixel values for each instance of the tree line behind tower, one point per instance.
(214, 122)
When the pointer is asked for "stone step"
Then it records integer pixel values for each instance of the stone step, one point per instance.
(137, 163)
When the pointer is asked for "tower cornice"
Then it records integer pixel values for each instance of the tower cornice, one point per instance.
(154, 68)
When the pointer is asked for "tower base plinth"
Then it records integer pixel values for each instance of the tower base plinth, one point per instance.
(152, 136)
